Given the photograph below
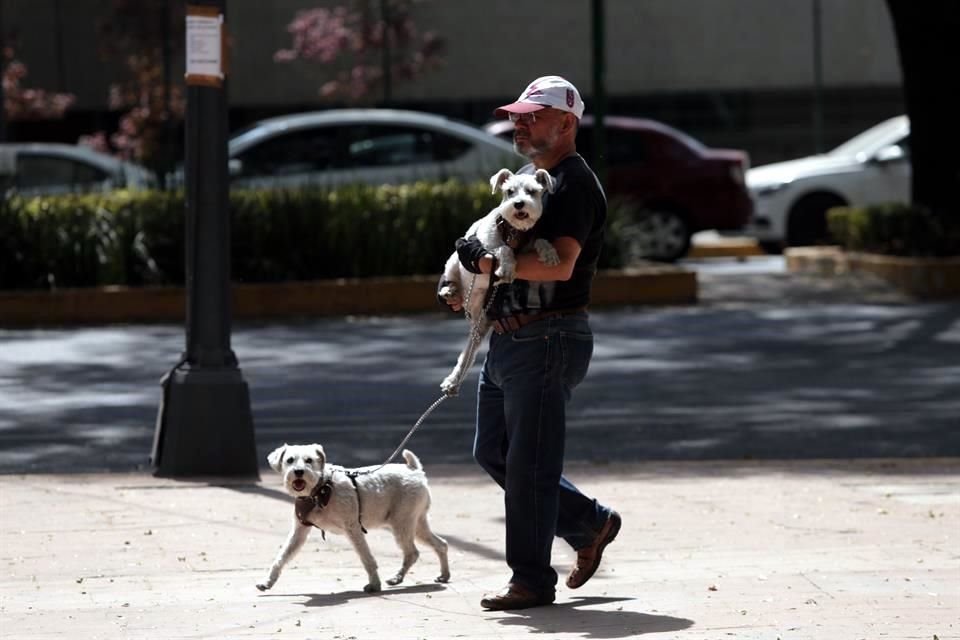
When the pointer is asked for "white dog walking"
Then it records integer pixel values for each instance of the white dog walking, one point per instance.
(344, 501)
(500, 232)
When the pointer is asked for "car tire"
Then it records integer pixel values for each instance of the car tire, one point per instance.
(807, 222)
(659, 234)
(771, 247)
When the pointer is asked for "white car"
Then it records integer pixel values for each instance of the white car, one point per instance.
(45, 168)
(372, 146)
(791, 198)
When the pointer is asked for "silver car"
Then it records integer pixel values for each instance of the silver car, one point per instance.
(371, 146)
(44, 168)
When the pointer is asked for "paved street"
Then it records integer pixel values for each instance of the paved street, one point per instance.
(705, 426)
(767, 365)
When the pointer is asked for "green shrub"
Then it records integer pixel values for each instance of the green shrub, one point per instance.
(137, 238)
(894, 229)
(355, 231)
(89, 240)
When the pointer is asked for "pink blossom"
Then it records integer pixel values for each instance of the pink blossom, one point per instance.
(358, 35)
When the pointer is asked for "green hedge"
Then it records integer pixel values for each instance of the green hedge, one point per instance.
(126, 238)
(895, 229)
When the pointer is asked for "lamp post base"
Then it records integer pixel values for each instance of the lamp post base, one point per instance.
(205, 426)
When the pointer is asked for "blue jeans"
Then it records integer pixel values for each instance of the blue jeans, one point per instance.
(526, 382)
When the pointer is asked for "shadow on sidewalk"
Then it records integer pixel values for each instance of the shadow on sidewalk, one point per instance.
(576, 617)
(343, 597)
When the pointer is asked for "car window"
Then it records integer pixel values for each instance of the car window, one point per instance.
(447, 147)
(299, 151)
(624, 147)
(872, 139)
(370, 145)
(904, 144)
(673, 150)
(38, 170)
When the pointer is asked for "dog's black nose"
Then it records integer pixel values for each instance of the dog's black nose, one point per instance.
(518, 205)
(298, 473)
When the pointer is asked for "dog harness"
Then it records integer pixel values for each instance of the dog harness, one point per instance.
(319, 498)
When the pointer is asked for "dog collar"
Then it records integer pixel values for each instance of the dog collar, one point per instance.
(512, 237)
(318, 499)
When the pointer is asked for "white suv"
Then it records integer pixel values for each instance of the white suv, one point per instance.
(791, 198)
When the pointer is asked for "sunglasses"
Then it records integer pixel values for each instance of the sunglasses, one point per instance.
(525, 118)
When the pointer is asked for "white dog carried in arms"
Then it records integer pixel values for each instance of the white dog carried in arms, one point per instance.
(500, 232)
(347, 501)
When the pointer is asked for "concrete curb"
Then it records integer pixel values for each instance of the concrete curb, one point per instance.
(653, 284)
(726, 248)
(921, 278)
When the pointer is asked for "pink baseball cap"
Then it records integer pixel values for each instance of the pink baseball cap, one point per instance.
(547, 91)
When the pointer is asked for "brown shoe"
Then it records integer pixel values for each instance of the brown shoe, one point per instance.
(516, 596)
(588, 558)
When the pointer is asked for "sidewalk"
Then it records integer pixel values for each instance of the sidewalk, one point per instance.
(709, 550)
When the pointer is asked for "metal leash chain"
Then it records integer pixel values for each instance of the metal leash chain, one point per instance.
(475, 338)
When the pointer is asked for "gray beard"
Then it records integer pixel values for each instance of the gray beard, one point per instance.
(534, 151)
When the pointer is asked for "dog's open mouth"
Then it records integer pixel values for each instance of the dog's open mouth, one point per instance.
(521, 215)
(299, 484)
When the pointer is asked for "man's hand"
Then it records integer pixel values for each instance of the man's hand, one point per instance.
(470, 251)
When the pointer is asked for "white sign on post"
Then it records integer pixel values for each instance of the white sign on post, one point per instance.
(204, 48)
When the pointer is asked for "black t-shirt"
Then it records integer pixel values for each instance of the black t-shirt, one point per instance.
(577, 208)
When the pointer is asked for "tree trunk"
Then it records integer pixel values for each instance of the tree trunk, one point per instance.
(929, 60)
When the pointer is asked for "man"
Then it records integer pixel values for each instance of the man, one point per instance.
(539, 351)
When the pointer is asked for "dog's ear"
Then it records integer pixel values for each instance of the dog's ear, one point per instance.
(499, 178)
(544, 178)
(275, 459)
(321, 456)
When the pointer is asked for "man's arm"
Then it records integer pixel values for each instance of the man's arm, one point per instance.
(529, 266)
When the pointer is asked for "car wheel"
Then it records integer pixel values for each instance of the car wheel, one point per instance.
(660, 235)
(771, 247)
(807, 222)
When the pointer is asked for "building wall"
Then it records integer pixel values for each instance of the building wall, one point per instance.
(496, 46)
(732, 72)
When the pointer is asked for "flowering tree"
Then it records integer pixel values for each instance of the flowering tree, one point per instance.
(142, 35)
(370, 48)
(21, 103)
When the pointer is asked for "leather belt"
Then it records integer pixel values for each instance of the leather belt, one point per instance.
(514, 322)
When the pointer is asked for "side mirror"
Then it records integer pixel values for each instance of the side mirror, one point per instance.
(891, 153)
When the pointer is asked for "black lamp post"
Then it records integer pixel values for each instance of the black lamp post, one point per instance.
(205, 425)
